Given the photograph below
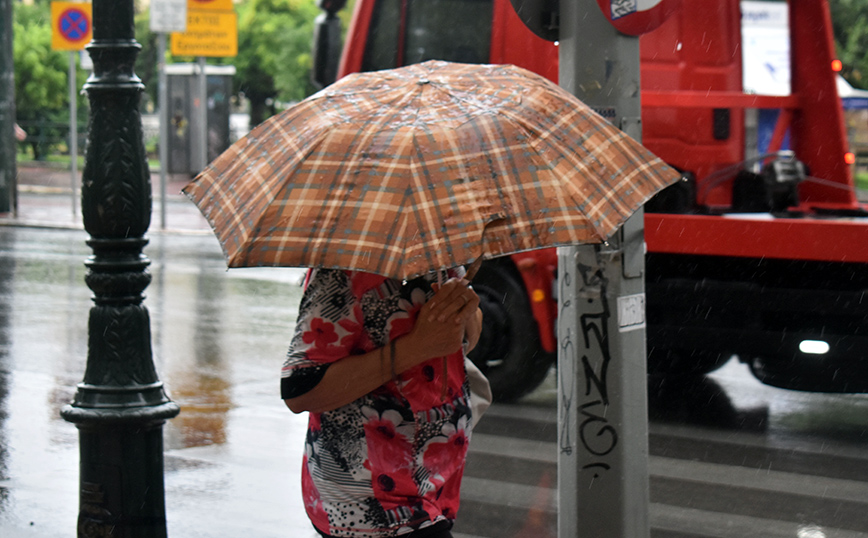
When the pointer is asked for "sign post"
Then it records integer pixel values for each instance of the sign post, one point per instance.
(603, 405)
(603, 486)
(8, 173)
(71, 30)
(166, 16)
(212, 31)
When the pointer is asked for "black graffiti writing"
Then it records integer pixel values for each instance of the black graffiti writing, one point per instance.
(567, 388)
(598, 436)
(589, 347)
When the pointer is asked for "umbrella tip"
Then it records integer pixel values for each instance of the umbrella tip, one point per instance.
(423, 81)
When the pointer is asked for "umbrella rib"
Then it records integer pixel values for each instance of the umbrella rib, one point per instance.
(261, 222)
(357, 149)
(571, 118)
(510, 169)
(430, 226)
(516, 120)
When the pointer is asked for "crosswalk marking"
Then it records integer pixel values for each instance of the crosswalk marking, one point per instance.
(705, 482)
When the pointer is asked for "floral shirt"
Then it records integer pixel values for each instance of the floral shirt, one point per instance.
(391, 462)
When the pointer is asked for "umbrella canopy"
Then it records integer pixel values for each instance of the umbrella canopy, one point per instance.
(430, 166)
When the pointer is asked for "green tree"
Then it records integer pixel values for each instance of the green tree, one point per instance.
(41, 79)
(274, 60)
(274, 53)
(146, 67)
(850, 27)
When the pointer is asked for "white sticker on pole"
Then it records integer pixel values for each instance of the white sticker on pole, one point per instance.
(636, 17)
(631, 312)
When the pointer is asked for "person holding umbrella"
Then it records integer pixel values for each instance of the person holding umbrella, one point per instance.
(379, 364)
(381, 182)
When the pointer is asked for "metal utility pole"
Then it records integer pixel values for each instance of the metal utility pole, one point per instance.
(166, 16)
(73, 130)
(602, 405)
(7, 112)
(120, 406)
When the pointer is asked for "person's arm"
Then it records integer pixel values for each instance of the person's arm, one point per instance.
(439, 331)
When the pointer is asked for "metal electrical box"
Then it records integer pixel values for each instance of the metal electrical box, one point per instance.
(186, 153)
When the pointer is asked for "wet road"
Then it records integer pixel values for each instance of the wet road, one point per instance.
(729, 456)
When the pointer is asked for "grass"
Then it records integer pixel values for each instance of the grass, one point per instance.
(862, 180)
(54, 161)
(63, 161)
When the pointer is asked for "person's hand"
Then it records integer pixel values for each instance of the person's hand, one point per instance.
(440, 326)
(454, 299)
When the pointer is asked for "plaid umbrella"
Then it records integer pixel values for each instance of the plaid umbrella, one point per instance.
(430, 166)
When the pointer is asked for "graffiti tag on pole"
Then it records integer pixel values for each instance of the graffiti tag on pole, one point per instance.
(597, 436)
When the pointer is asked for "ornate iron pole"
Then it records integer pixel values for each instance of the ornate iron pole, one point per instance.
(120, 406)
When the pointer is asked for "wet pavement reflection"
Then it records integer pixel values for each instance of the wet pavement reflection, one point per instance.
(729, 456)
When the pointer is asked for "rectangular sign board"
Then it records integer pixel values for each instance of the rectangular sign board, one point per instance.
(168, 16)
(209, 33)
(210, 5)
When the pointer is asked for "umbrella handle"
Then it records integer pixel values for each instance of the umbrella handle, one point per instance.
(468, 275)
(474, 268)
(443, 386)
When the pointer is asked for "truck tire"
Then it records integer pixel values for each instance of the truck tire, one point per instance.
(508, 352)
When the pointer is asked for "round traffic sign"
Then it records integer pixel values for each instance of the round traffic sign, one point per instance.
(74, 24)
(636, 17)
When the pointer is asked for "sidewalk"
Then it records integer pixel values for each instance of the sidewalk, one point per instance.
(248, 483)
(45, 199)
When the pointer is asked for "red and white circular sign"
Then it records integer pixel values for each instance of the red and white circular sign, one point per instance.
(636, 17)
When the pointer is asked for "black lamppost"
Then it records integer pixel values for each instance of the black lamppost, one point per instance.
(120, 406)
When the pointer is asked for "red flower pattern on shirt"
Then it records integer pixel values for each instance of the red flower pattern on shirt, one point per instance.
(321, 334)
(404, 442)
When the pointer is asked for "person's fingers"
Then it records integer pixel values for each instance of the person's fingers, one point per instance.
(438, 338)
(448, 299)
(458, 304)
(470, 306)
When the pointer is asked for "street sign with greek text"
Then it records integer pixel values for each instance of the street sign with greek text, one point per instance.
(209, 33)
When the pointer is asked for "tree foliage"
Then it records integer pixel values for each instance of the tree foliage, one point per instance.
(274, 53)
(850, 27)
(41, 77)
(146, 67)
(274, 59)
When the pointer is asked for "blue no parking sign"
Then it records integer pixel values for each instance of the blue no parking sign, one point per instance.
(71, 27)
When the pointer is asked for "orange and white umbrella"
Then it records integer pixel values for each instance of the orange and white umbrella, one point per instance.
(430, 166)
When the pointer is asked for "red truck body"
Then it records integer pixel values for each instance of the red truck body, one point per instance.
(742, 260)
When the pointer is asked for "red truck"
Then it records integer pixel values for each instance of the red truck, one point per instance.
(761, 252)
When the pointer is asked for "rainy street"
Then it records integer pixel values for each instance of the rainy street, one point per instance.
(728, 456)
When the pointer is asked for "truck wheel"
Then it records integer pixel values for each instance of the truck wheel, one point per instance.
(508, 352)
(678, 361)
